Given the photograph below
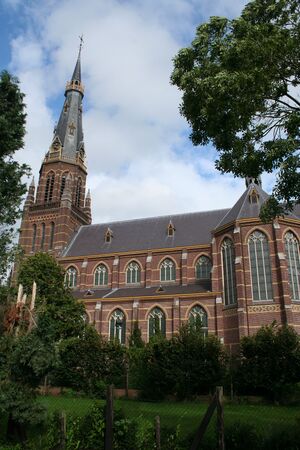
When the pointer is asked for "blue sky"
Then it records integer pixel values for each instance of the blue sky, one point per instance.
(140, 160)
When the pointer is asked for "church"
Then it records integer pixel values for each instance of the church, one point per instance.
(222, 269)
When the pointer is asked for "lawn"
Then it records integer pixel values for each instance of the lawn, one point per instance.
(185, 414)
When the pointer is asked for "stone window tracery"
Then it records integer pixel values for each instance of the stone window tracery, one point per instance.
(198, 319)
(293, 264)
(260, 265)
(133, 273)
(101, 276)
(49, 188)
(203, 268)
(229, 285)
(71, 277)
(117, 326)
(156, 322)
(167, 270)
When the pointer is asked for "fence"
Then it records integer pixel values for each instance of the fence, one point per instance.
(214, 423)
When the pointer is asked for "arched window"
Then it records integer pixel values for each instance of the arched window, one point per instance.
(71, 277)
(167, 270)
(52, 229)
(198, 319)
(63, 184)
(43, 235)
(33, 237)
(133, 273)
(156, 322)
(228, 272)
(203, 268)
(260, 266)
(78, 192)
(293, 264)
(101, 276)
(49, 188)
(117, 326)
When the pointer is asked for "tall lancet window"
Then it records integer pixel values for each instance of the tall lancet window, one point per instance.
(78, 192)
(33, 237)
(117, 326)
(198, 319)
(293, 264)
(52, 229)
(49, 188)
(156, 322)
(63, 184)
(229, 286)
(260, 266)
(43, 236)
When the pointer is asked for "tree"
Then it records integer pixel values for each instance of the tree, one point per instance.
(12, 188)
(240, 80)
(199, 362)
(269, 361)
(58, 314)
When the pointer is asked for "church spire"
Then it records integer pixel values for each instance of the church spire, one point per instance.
(67, 141)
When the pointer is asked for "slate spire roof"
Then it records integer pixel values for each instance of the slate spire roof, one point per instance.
(68, 133)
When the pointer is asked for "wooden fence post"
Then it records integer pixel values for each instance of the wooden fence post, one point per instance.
(204, 423)
(63, 431)
(109, 419)
(220, 418)
(157, 433)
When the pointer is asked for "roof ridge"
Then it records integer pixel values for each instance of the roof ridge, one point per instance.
(157, 217)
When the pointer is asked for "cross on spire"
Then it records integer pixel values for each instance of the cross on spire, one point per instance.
(81, 43)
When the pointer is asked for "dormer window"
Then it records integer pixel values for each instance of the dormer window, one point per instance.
(253, 197)
(108, 235)
(171, 229)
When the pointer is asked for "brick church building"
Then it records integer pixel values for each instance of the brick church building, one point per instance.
(224, 268)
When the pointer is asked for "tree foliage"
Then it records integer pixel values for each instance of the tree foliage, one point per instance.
(240, 80)
(12, 188)
(269, 361)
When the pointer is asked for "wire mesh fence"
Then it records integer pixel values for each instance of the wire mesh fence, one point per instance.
(76, 422)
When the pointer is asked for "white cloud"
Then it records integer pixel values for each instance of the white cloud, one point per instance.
(140, 161)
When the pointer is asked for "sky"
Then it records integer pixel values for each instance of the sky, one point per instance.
(140, 159)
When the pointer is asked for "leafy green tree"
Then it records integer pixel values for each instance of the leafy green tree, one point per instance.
(135, 338)
(17, 401)
(12, 187)
(269, 361)
(199, 362)
(240, 80)
(89, 362)
(58, 314)
(155, 369)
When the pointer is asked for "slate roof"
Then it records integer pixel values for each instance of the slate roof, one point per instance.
(151, 233)
(69, 126)
(243, 208)
(143, 234)
(136, 292)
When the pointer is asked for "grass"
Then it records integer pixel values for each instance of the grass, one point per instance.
(185, 414)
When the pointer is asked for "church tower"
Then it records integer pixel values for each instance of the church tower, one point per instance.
(59, 205)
